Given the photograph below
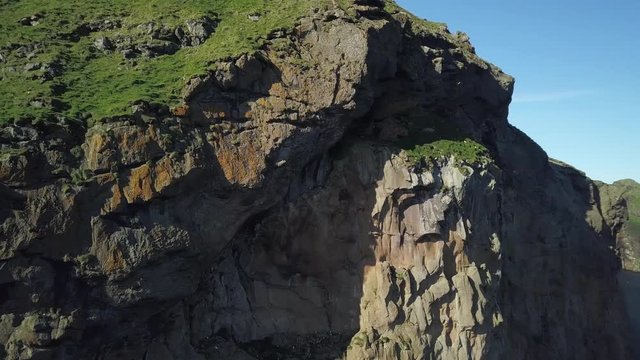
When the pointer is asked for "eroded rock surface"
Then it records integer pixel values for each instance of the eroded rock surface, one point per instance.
(276, 215)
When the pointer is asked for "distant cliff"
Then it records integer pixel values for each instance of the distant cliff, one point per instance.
(300, 180)
(621, 204)
(621, 208)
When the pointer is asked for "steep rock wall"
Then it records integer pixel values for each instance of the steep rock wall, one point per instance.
(276, 215)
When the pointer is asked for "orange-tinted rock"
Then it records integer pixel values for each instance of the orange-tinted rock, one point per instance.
(140, 185)
(113, 261)
(115, 202)
(180, 111)
(241, 165)
(96, 149)
(163, 174)
(277, 89)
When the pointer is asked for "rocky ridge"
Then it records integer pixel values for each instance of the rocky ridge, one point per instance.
(290, 209)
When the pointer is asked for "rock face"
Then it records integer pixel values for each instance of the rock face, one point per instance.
(621, 203)
(621, 206)
(278, 215)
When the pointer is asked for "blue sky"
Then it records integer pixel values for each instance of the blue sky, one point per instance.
(577, 70)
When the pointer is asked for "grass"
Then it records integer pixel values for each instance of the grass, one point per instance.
(634, 226)
(360, 339)
(98, 84)
(464, 152)
(431, 137)
(420, 25)
(94, 84)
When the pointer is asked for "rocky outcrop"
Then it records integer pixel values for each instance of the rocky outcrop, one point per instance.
(621, 203)
(280, 214)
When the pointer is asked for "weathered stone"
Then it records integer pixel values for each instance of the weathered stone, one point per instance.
(199, 30)
(103, 43)
(267, 217)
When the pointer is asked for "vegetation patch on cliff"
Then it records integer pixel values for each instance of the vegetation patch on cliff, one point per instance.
(465, 152)
(429, 137)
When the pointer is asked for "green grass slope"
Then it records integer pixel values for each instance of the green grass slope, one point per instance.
(49, 63)
(86, 60)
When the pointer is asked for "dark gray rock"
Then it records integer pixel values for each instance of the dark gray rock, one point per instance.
(32, 20)
(130, 53)
(157, 49)
(199, 30)
(32, 66)
(51, 71)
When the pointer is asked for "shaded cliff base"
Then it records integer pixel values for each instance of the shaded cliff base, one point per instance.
(630, 285)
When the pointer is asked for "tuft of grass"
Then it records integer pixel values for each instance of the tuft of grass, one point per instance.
(96, 84)
(81, 177)
(634, 226)
(432, 136)
(464, 152)
(420, 24)
(360, 340)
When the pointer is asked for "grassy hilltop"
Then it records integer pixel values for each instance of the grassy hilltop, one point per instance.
(84, 59)
(87, 61)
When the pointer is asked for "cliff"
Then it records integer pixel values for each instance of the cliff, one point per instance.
(621, 208)
(345, 185)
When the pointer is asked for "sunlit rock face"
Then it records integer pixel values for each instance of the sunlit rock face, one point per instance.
(285, 212)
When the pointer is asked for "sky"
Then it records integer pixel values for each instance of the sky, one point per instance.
(577, 70)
